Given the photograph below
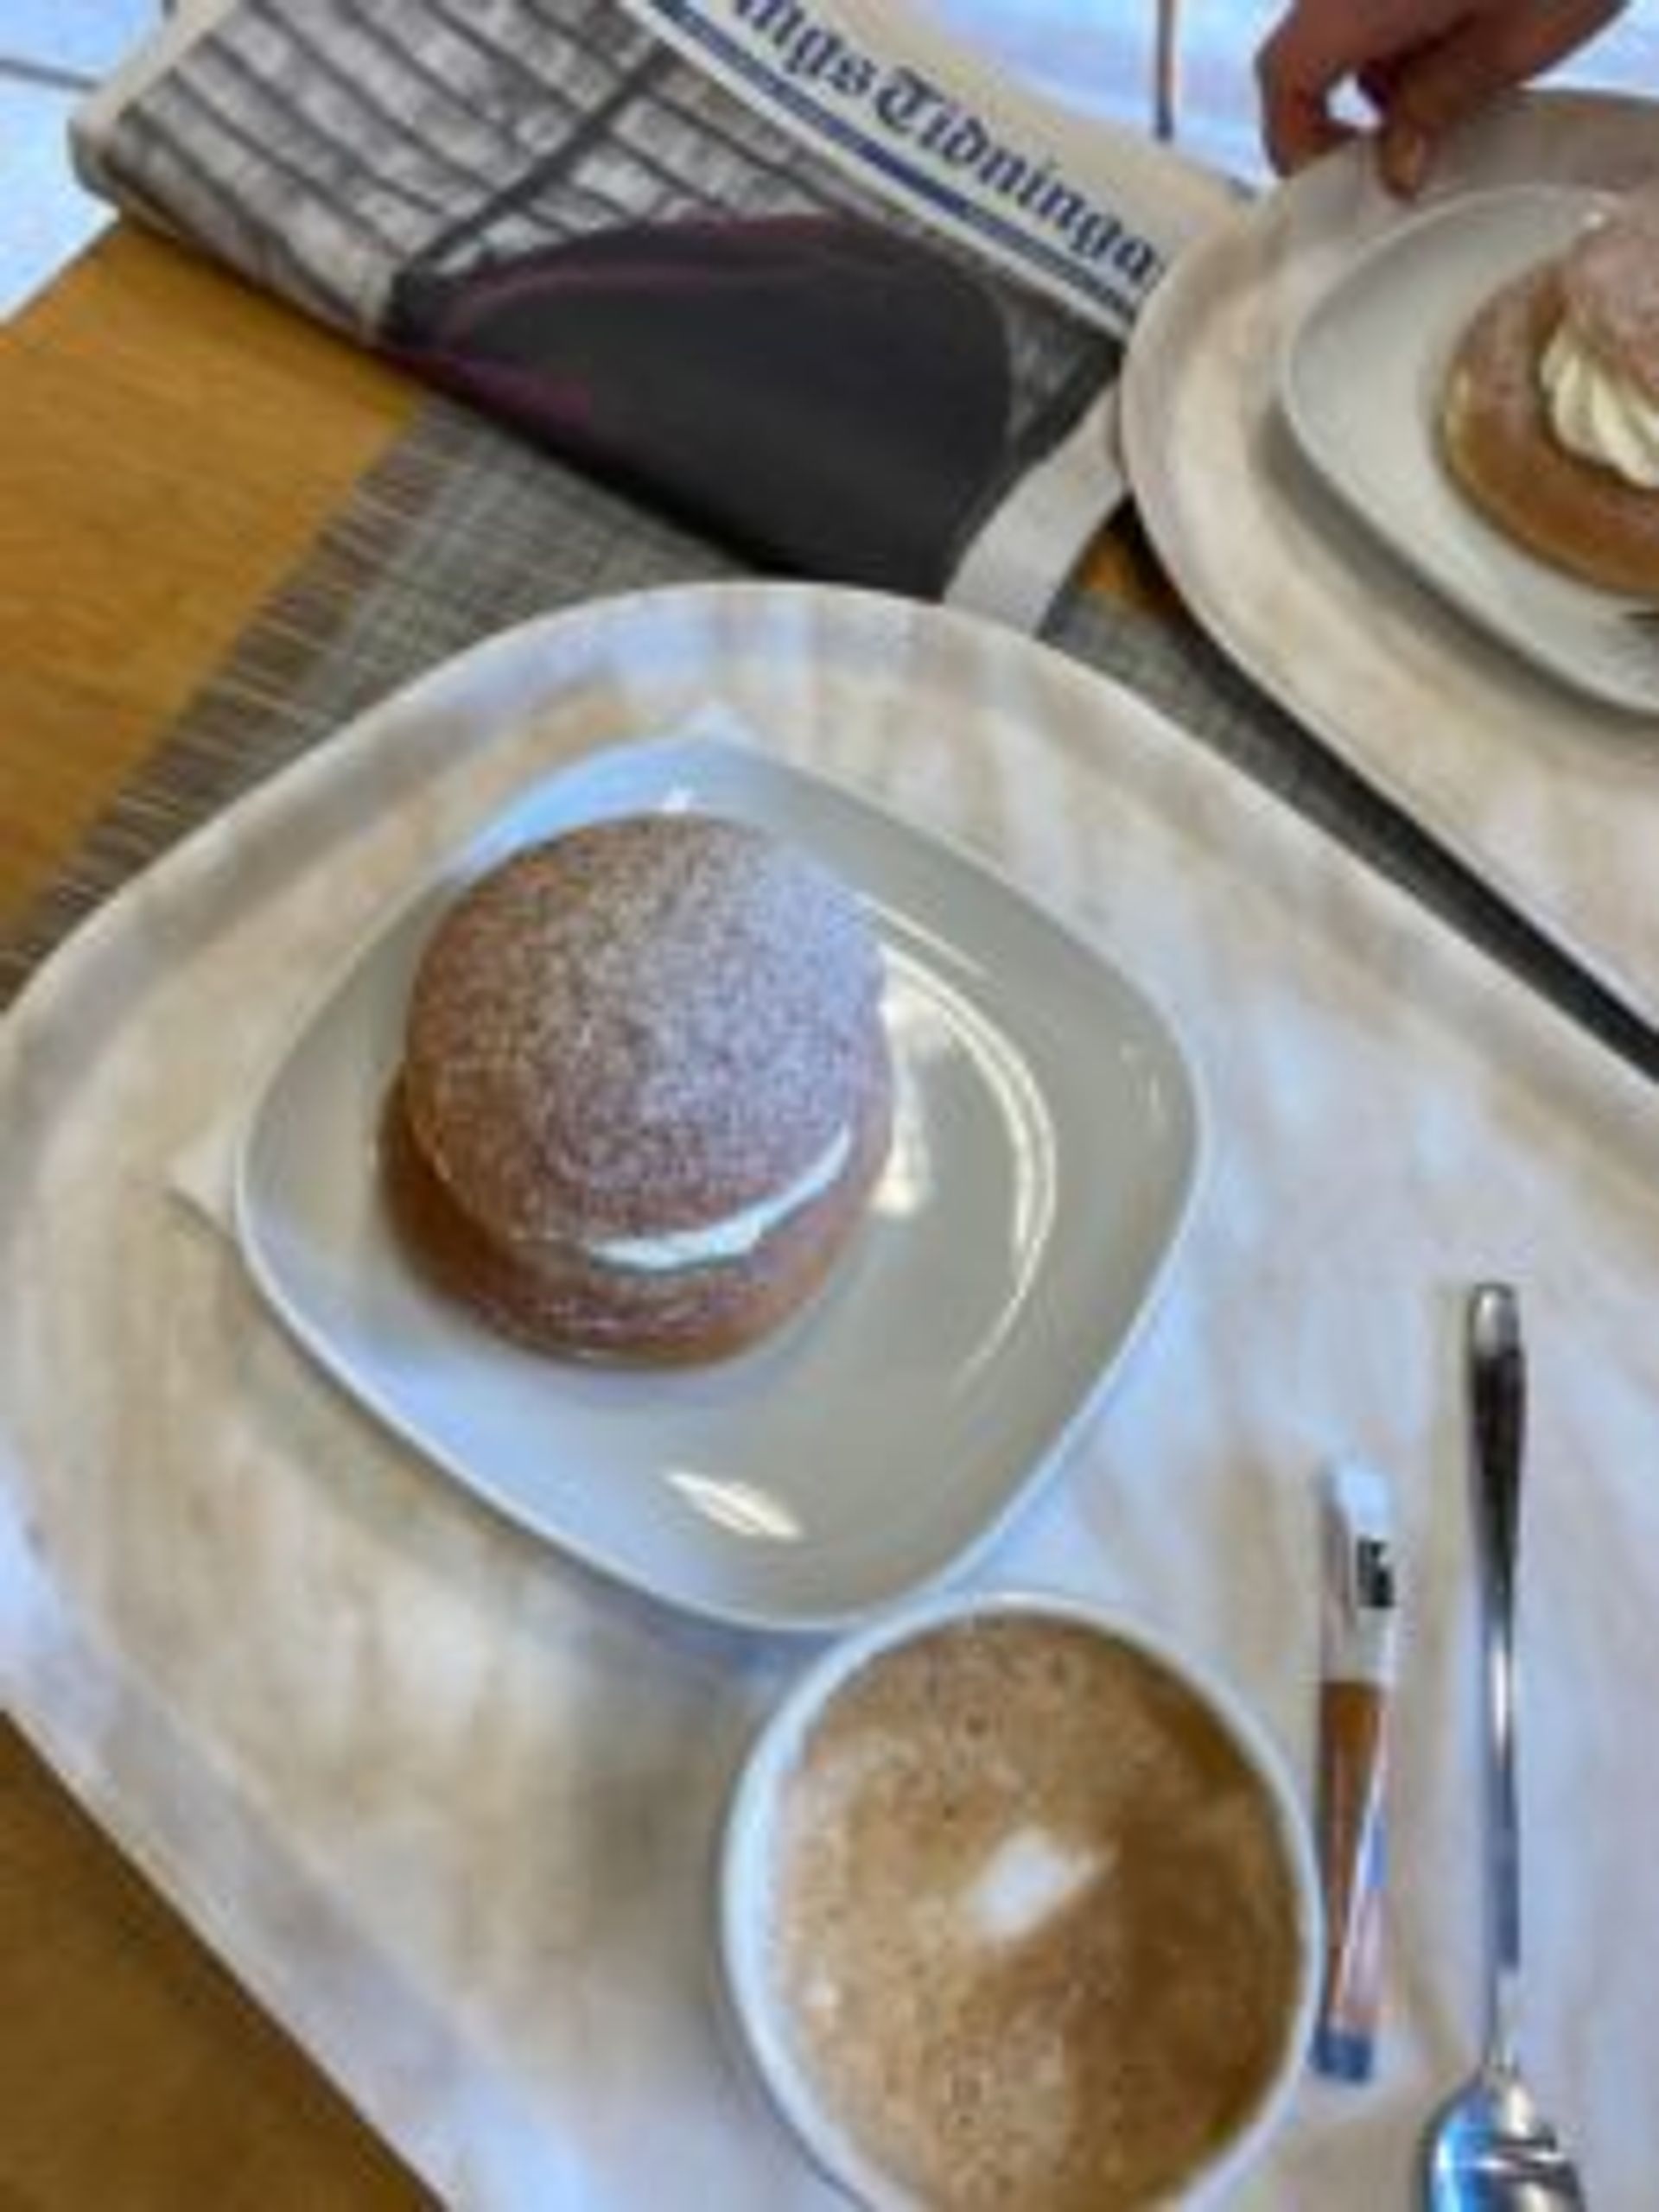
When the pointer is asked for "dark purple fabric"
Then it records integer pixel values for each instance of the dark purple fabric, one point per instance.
(831, 397)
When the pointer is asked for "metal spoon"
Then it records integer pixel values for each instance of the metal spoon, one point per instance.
(1490, 2150)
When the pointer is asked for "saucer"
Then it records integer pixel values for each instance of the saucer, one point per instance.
(1044, 1150)
(1359, 389)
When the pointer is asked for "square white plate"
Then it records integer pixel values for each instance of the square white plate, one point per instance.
(1359, 388)
(1045, 1153)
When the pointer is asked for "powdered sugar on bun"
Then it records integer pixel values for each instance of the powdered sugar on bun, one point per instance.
(646, 1092)
(644, 1026)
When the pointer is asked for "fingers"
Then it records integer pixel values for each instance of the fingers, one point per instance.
(1298, 70)
(1426, 66)
(1317, 47)
(1445, 82)
(1378, 80)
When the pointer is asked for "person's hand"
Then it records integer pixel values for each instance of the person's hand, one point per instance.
(1424, 65)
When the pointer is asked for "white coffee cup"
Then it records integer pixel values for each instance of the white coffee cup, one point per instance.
(748, 1885)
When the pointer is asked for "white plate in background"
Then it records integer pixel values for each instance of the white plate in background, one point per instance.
(1360, 388)
(1545, 793)
(1045, 1152)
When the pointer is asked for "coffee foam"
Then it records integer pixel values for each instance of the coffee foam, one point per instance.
(1029, 1877)
(1037, 1940)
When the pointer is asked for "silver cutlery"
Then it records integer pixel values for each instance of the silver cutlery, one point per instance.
(1491, 2149)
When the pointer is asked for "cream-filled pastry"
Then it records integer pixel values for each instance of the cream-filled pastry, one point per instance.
(1550, 413)
(646, 1089)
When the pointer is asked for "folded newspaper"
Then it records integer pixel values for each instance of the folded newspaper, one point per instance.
(801, 271)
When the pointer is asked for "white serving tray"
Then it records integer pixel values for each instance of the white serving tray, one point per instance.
(1550, 796)
(446, 1800)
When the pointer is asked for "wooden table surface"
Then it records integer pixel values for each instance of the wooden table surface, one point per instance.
(169, 443)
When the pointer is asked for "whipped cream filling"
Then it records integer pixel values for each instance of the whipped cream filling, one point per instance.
(1597, 414)
(735, 1235)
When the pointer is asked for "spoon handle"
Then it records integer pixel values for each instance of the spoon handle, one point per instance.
(1497, 1393)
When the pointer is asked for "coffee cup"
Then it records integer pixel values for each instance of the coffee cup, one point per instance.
(1017, 1908)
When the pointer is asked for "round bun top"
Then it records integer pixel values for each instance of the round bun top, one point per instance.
(643, 1025)
(1611, 285)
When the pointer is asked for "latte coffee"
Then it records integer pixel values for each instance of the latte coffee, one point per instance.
(1036, 1935)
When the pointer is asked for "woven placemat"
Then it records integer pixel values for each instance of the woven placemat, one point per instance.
(457, 531)
(461, 530)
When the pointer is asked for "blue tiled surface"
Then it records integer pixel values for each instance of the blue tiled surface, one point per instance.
(45, 217)
(46, 48)
(85, 38)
